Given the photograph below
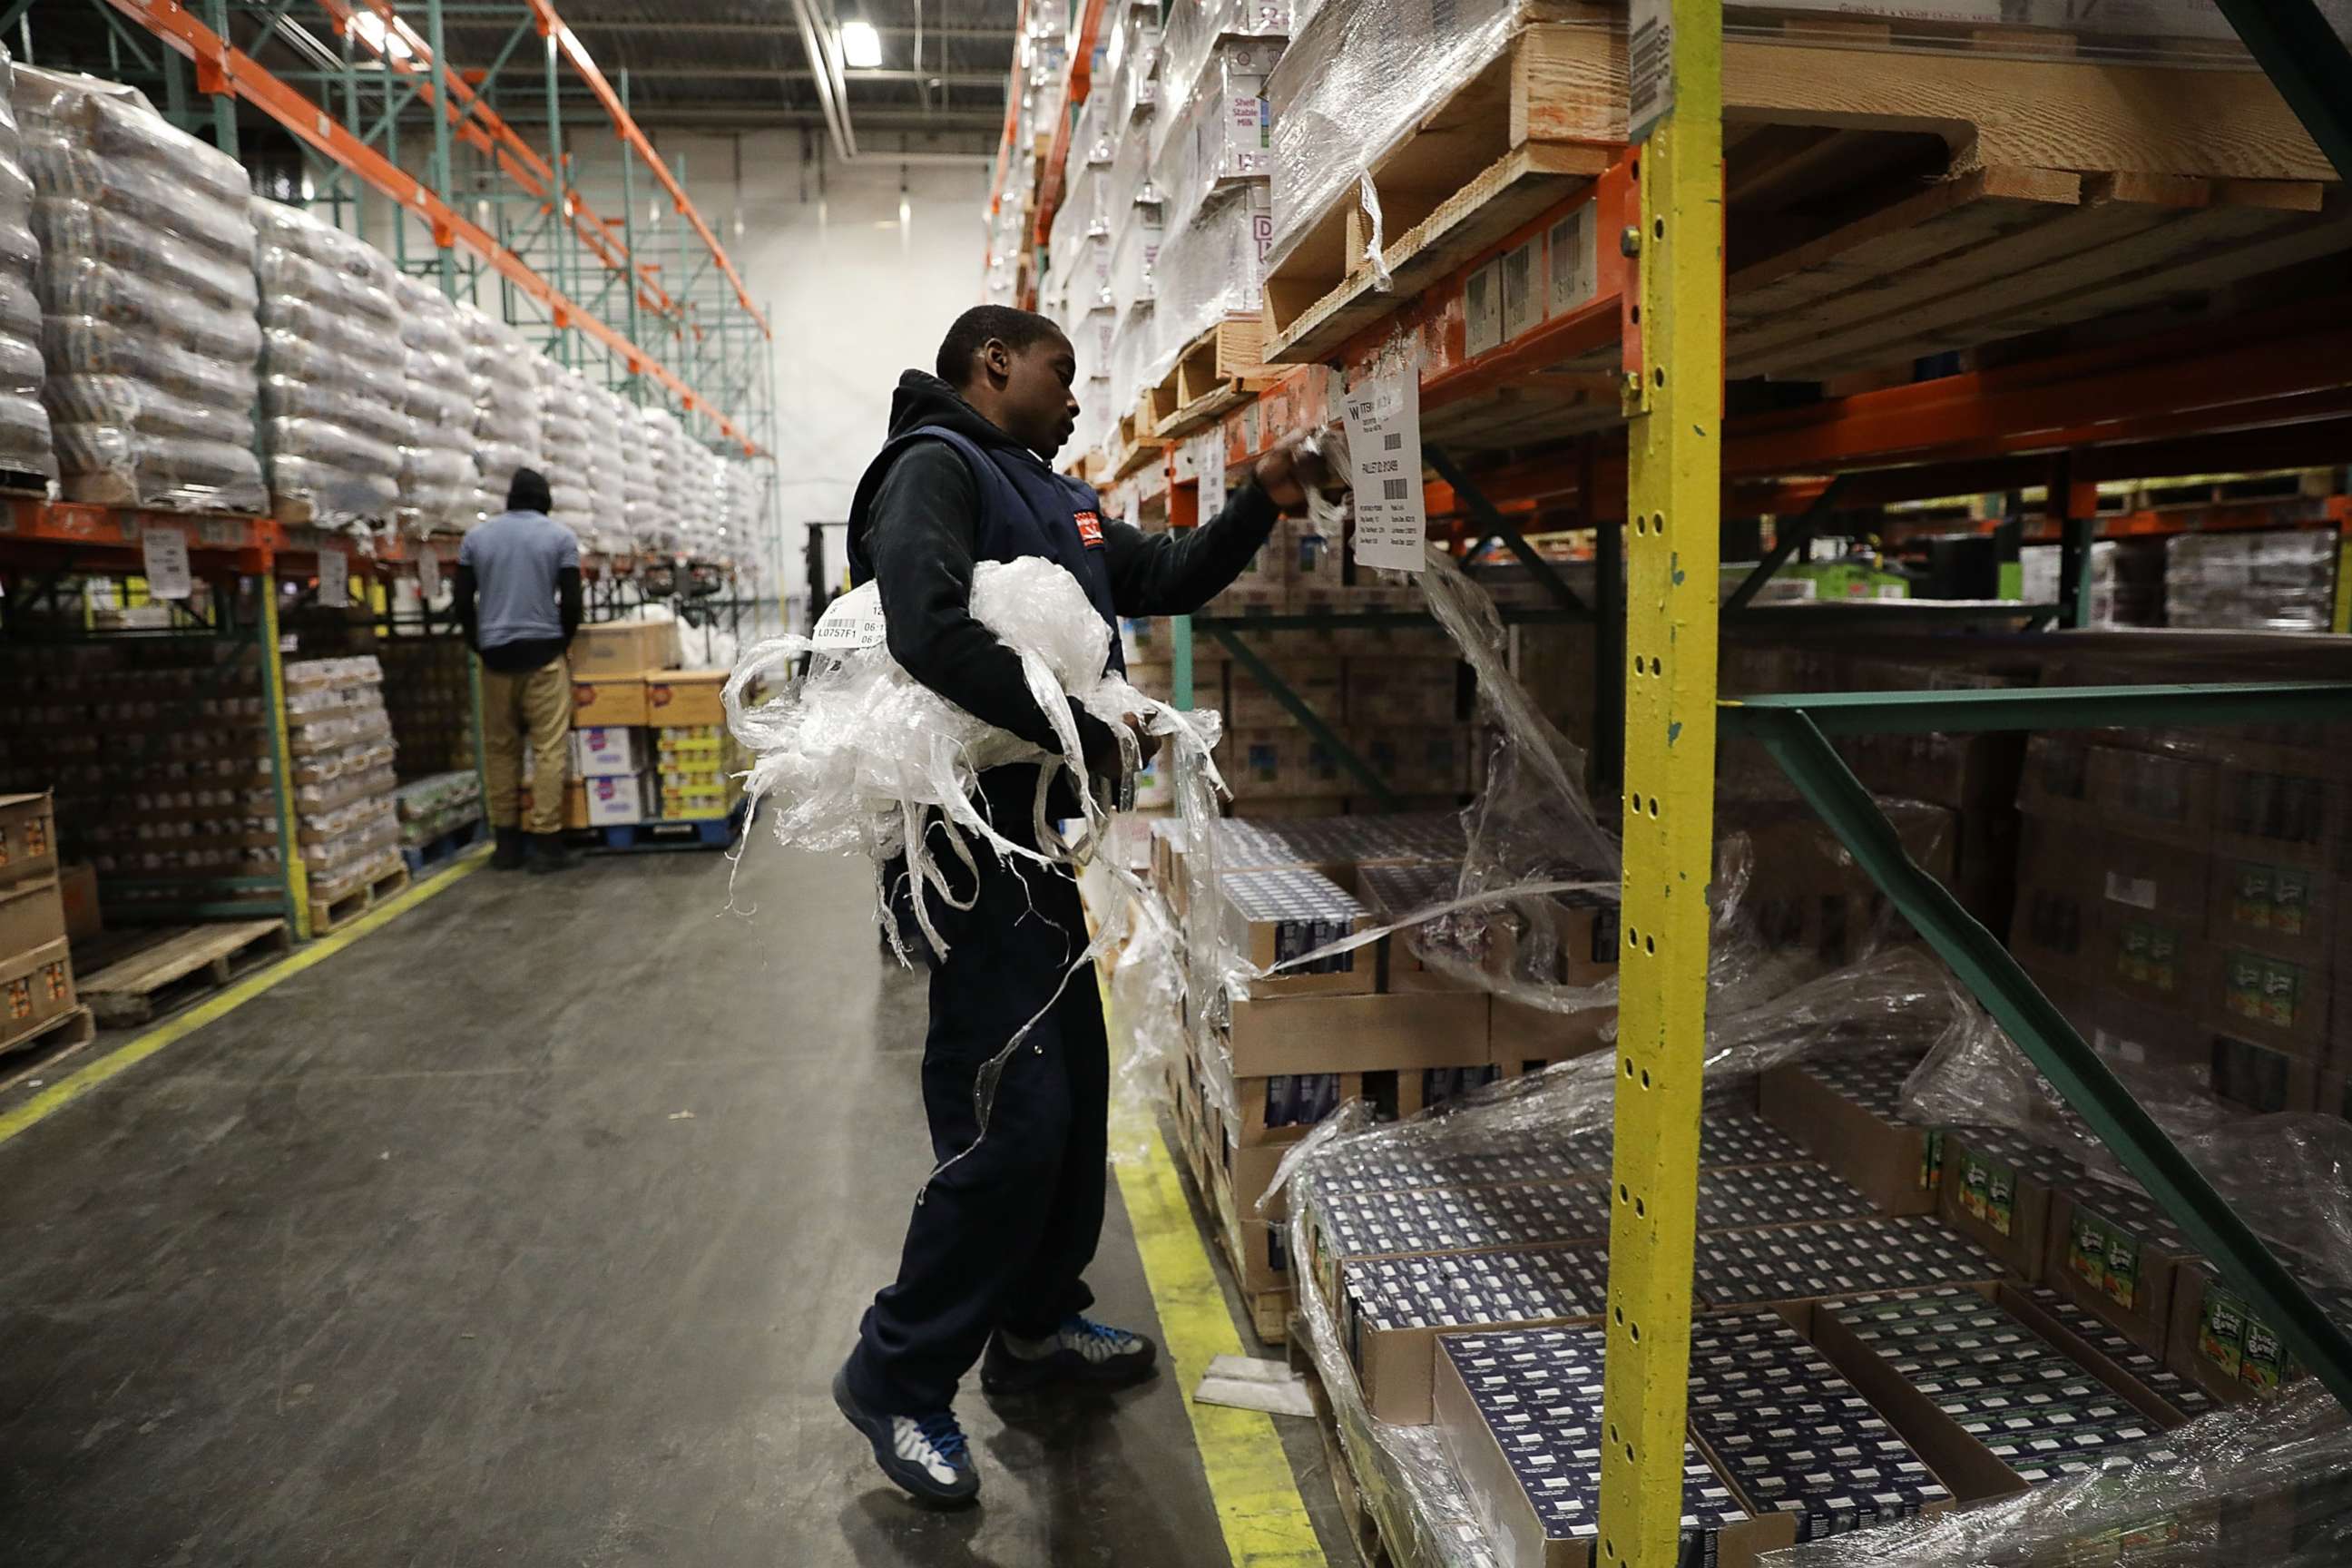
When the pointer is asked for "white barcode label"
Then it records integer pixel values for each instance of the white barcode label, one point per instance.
(334, 579)
(1575, 259)
(1649, 57)
(853, 621)
(1383, 421)
(163, 561)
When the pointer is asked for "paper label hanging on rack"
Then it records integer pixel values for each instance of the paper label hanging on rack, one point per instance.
(1649, 66)
(853, 621)
(334, 579)
(428, 572)
(1384, 420)
(1209, 462)
(163, 561)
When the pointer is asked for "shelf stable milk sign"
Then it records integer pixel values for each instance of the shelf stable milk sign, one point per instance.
(1383, 421)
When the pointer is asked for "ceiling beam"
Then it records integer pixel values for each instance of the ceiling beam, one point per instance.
(793, 73)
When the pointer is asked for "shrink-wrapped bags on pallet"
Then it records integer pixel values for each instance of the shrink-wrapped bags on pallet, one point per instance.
(640, 471)
(506, 405)
(564, 443)
(334, 368)
(24, 449)
(1223, 131)
(607, 486)
(147, 297)
(656, 533)
(438, 478)
(1214, 266)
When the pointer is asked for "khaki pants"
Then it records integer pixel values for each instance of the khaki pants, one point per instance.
(536, 704)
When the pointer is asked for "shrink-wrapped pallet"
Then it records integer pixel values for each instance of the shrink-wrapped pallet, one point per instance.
(333, 395)
(437, 477)
(505, 406)
(25, 451)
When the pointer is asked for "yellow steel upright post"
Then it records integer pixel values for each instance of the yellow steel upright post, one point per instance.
(1675, 396)
(295, 875)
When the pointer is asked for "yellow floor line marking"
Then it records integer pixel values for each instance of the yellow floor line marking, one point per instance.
(66, 1091)
(1249, 1480)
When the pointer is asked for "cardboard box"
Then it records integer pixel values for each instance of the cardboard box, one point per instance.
(2055, 785)
(78, 886)
(2258, 1077)
(32, 915)
(1276, 1034)
(1315, 681)
(1896, 1163)
(2274, 906)
(687, 697)
(618, 802)
(623, 648)
(2150, 958)
(1805, 1262)
(1402, 691)
(1391, 1310)
(28, 837)
(2269, 807)
(2219, 1341)
(608, 702)
(1996, 1191)
(2146, 877)
(35, 987)
(1274, 916)
(1428, 759)
(2153, 796)
(1527, 1038)
(607, 751)
(2113, 1252)
(2273, 1001)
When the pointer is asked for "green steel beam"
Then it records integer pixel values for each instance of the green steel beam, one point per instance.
(2307, 63)
(1995, 978)
(224, 103)
(1308, 719)
(14, 13)
(1786, 542)
(1501, 527)
(2043, 708)
(120, 32)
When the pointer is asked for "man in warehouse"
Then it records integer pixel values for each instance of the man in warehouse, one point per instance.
(518, 591)
(999, 1239)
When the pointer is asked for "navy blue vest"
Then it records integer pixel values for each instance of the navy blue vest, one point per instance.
(1027, 509)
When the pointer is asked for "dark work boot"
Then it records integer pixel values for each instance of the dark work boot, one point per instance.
(550, 853)
(508, 855)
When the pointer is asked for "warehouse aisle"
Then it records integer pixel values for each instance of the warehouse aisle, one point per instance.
(530, 1229)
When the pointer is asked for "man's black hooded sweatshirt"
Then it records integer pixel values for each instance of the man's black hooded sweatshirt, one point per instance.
(912, 531)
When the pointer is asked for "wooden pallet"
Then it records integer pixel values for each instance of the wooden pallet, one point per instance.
(68, 1031)
(329, 915)
(180, 965)
(446, 846)
(1218, 372)
(685, 833)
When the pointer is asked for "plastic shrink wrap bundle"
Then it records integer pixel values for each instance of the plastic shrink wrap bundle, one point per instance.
(438, 478)
(657, 533)
(608, 486)
(1193, 31)
(563, 442)
(25, 447)
(2277, 582)
(498, 362)
(640, 472)
(1131, 60)
(147, 297)
(334, 371)
(1214, 266)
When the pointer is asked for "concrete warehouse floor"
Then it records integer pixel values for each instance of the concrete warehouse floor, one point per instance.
(531, 1228)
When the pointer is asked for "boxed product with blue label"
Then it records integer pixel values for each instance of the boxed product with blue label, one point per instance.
(1344, 1227)
(1391, 1310)
(1801, 1262)
(616, 801)
(1848, 1113)
(1277, 917)
(607, 751)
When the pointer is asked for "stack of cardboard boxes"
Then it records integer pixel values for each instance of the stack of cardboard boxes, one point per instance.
(340, 738)
(36, 981)
(649, 741)
(430, 698)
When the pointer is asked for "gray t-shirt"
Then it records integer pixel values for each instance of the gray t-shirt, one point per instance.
(515, 557)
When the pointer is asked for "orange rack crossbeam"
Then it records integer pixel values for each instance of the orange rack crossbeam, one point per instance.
(221, 68)
(552, 25)
(479, 126)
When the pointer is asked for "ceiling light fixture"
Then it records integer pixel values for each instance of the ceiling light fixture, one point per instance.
(861, 46)
(378, 37)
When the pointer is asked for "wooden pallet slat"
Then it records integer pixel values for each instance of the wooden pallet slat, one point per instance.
(328, 915)
(130, 989)
(69, 1031)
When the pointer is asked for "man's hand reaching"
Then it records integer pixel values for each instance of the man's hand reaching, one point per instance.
(1287, 472)
(1104, 759)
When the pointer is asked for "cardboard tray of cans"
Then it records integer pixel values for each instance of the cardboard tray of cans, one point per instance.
(1279, 915)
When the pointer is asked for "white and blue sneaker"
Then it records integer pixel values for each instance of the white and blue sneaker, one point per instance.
(1081, 1350)
(927, 1455)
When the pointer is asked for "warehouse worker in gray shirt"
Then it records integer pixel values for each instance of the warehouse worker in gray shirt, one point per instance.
(518, 599)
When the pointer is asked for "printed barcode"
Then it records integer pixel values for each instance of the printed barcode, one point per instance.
(1392, 441)
(1392, 490)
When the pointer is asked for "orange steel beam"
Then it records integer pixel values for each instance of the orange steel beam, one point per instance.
(521, 162)
(1011, 113)
(552, 25)
(1078, 79)
(221, 67)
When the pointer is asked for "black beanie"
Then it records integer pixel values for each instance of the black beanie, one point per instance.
(527, 492)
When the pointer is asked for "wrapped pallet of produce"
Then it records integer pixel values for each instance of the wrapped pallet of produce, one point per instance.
(640, 471)
(505, 406)
(657, 533)
(25, 453)
(437, 477)
(607, 481)
(334, 370)
(564, 443)
(147, 295)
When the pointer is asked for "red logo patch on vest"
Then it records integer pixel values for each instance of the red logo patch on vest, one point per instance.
(1089, 529)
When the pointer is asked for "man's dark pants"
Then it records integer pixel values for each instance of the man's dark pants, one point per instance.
(1001, 1237)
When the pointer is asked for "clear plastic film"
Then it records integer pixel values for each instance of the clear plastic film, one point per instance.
(656, 533)
(1132, 61)
(2258, 1483)
(1213, 265)
(147, 297)
(437, 477)
(25, 447)
(1221, 132)
(498, 361)
(640, 471)
(1192, 30)
(607, 471)
(564, 441)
